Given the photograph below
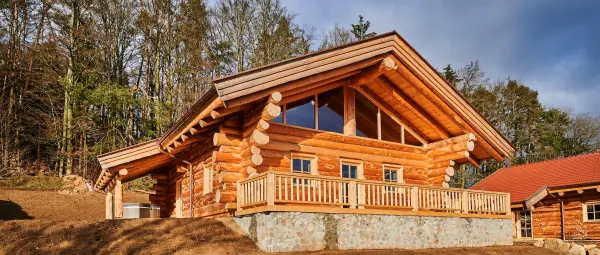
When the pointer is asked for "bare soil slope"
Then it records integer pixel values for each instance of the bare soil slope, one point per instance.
(53, 223)
(56, 205)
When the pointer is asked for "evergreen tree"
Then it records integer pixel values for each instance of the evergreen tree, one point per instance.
(360, 30)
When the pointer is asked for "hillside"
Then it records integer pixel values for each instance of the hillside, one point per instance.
(47, 222)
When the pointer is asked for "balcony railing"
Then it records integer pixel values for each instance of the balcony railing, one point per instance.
(289, 189)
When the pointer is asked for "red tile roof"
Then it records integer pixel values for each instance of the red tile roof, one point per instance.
(523, 180)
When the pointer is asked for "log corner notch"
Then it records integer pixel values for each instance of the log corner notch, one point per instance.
(238, 153)
(442, 156)
(386, 65)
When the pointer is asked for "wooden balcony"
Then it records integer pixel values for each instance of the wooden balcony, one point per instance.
(279, 191)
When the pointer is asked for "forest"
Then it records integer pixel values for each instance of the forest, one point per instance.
(83, 77)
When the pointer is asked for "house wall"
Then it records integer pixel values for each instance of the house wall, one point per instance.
(546, 221)
(295, 231)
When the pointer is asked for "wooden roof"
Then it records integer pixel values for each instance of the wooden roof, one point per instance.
(414, 92)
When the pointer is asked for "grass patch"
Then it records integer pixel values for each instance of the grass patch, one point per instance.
(33, 183)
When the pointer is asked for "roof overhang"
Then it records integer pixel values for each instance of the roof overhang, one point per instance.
(311, 72)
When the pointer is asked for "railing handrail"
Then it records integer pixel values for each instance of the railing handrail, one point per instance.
(322, 177)
(262, 189)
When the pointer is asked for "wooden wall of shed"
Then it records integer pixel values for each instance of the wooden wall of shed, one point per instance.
(546, 221)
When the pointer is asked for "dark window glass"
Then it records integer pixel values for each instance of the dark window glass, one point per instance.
(597, 215)
(349, 171)
(301, 113)
(597, 207)
(390, 175)
(279, 119)
(300, 166)
(366, 116)
(390, 129)
(331, 110)
(590, 208)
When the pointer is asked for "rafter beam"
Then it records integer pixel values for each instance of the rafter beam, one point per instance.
(409, 104)
(370, 73)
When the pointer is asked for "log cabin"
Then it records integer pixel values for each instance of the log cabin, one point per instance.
(368, 127)
(552, 199)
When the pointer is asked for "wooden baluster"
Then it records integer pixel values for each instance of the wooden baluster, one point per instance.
(270, 188)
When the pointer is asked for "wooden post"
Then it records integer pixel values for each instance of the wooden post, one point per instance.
(349, 114)
(109, 206)
(179, 208)
(465, 201)
(352, 194)
(508, 204)
(270, 188)
(118, 200)
(414, 198)
(240, 195)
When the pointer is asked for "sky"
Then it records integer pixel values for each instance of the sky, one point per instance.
(552, 47)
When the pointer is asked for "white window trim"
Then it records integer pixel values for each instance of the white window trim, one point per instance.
(208, 179)
(585, 212)
(354, 162)
(399, 171)
(518, 217)
(305, 156)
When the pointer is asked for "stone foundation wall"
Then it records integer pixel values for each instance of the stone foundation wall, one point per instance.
(295, 231)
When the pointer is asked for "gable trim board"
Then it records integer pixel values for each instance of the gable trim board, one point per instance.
(305, 73)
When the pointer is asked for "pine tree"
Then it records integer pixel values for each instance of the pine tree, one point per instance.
(360, 30)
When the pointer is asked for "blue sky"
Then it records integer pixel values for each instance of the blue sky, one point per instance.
(551, 46)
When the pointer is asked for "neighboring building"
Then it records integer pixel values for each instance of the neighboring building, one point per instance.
(552, 199)
(367, 128)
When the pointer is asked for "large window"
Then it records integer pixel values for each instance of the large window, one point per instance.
(366, 116)
(331, 110)
(325, 111)
(592, 212)
(301, 112)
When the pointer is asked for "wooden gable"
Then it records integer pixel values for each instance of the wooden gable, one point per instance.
(385, 69)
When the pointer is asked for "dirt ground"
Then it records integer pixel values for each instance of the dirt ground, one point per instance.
(55, 205)
(44, 222)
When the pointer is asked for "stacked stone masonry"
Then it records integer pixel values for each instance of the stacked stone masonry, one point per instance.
(295, 231)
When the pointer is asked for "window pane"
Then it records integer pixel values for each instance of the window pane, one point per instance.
(279, 119)
(597, 216)
(301, 113)
(366, 116)
(297, 165)
(306, 166)
(345, 171)
(390, 129)
(597, 208)
(331, 110)
(394, 176)
(353, 171)
(590, 216)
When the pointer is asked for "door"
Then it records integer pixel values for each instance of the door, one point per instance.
(525, 224)
(348, 171)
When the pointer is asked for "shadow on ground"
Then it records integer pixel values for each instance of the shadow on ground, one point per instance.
(10, 210)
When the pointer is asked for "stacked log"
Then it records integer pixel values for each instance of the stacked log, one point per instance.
(443, 154)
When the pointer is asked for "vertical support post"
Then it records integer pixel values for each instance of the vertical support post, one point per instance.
(349, 114)
(352, 194)
(464, 201)
(179, 208)
(118, 200)
(414, 198)
(109, 206)
(239, 195)
(402, 134)
(378, 124)
(508, 204)
(270, 188)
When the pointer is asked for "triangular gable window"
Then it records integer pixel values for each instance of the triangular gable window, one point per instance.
(325, 111)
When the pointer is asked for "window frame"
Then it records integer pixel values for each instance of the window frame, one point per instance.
(585, 210)
(208, 178)
(399, 175)
(360, 172)
(303, 156)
